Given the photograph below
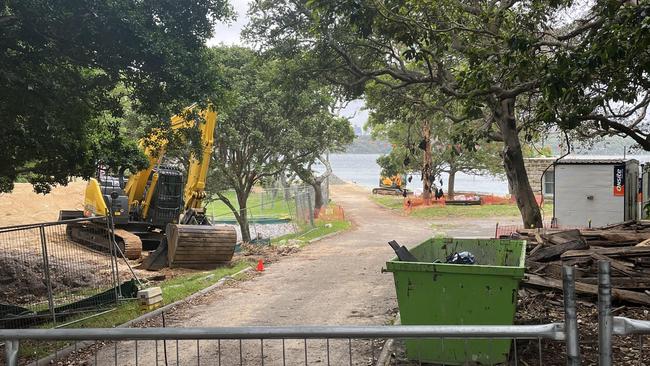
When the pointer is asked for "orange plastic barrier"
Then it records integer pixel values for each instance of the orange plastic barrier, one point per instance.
(330, 212)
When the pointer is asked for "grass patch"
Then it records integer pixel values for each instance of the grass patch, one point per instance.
(433, 212)
(483, 211)
(259, 204)
(322, 228)
(174, 289)
(392, 202)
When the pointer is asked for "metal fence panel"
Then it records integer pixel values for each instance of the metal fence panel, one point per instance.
(308, 345)
(44, 275)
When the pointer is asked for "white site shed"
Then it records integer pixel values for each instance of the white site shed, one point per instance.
(595, 192)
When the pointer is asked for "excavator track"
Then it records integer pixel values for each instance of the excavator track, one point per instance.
(95, 236)
(132, 248)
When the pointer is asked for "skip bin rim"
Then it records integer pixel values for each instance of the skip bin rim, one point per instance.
(518, 271)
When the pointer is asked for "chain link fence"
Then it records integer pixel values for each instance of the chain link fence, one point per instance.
(273, 211)
(47, 280)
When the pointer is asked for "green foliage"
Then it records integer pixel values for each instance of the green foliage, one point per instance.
(601, 83)
(399, 116)
(516, 67)
(271, 118)
(62, 63)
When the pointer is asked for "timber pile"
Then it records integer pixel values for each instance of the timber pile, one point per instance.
(626, 246)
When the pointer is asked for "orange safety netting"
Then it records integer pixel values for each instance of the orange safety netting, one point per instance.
(330, 212)
(411, 202)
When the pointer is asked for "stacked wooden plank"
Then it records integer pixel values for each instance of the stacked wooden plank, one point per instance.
(626, 246)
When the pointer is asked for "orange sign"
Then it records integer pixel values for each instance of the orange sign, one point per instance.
(619, 180)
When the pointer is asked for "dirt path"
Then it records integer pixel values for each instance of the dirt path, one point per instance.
(336, 281)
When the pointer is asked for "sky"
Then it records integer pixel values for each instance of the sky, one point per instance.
(228, 34)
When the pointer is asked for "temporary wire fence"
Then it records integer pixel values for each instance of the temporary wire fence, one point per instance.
(276, 211)
(46, 279)
(291, 345)
(308, 345)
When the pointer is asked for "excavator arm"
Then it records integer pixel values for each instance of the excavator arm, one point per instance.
(155, 198)
(194, 190)
(198, 170)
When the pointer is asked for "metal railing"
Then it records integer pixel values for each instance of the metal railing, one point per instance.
(610, 326)
(327, 345)
(334, 345)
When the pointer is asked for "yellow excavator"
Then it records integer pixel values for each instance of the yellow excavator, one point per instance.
(394, 186)
(156, 209)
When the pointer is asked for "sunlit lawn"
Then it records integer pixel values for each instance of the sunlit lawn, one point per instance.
(481, 211)
(259, 205)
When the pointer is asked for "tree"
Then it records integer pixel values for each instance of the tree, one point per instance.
(268, 123)
(598, 83)
(493, 58)
(328, 133)
(424, 140)
(62, 62)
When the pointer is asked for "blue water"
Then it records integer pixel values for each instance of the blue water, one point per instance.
(363, 170)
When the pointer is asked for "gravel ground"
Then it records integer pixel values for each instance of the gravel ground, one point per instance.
(267, 230)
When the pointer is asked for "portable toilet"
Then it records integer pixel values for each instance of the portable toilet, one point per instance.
(595, 192)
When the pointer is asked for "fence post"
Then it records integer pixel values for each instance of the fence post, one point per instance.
(46, 271)
(11, 352)
(604, 314)
(299, 217)
(311, 208)
(570, 316)
(116, 250)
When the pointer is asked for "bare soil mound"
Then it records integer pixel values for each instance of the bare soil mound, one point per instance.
(22, 279)
(24, 206)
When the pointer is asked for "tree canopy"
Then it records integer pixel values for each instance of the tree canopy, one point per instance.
(496, 62)
(66, 67)
(425, 141)
(268, 122)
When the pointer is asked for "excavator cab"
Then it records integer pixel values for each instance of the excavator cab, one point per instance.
(167, 199)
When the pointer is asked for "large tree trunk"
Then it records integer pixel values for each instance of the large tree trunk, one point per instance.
(426, 163)
(450, 184)
(307, 176)
(513, 161)
(242, 218)
(318, 196)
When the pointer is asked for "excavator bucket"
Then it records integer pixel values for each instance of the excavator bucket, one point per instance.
(200, 246)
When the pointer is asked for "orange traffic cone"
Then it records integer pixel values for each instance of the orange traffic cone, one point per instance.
(260, 266)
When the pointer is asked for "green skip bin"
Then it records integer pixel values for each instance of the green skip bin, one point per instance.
(438, 293)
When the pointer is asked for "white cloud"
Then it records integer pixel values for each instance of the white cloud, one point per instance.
(229, 34)
(355, 112)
